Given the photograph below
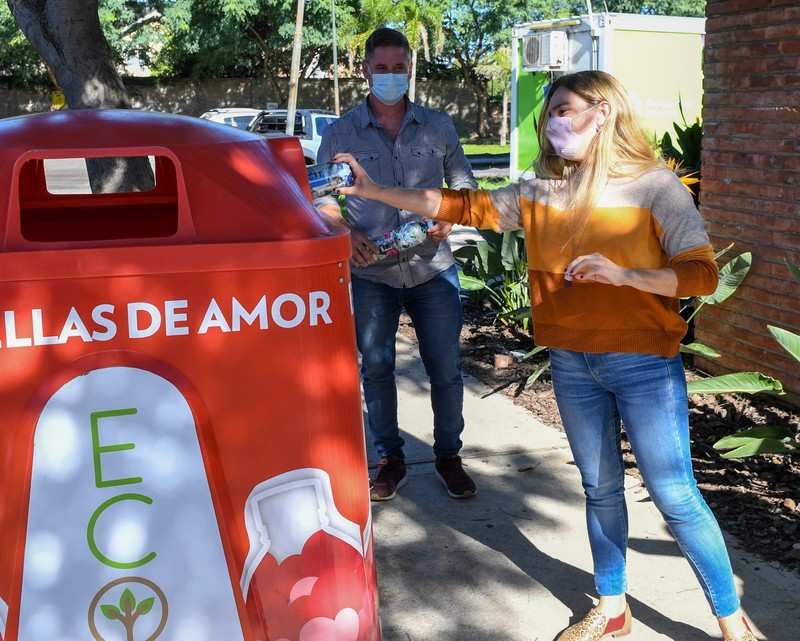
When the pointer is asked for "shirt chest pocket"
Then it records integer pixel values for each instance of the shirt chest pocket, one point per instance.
(427, 163)
(369, 159)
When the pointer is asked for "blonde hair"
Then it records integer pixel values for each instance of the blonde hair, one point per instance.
(620, 149)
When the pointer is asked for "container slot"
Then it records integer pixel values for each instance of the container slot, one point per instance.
(72, 215)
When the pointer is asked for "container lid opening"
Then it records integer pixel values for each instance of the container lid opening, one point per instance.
(56, 204)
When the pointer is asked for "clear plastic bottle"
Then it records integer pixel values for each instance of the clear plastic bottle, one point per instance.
(326, 178)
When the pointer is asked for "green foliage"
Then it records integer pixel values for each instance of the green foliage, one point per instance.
(489, 149)
(496, 69)
(788, 340)
(419, 20)
(692, 8)
(736, 383)
(761, 439)
(223, 38)
(133, 27)
(497, 268)
(685, 159)
(731, 276)
(541, 368)
(698, 349)
(765, 439)
(795, 269)
(690, 140)
(19, 62)
(246, 38)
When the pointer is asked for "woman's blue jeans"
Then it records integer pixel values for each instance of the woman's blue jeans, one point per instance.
(648, 393)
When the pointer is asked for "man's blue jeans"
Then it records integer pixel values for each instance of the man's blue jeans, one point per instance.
(595, 391)
(435, 309)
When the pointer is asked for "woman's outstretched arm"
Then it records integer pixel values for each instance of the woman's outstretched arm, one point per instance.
(498, 210)
(425, 202)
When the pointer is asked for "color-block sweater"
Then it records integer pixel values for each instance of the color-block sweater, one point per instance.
(646, 222)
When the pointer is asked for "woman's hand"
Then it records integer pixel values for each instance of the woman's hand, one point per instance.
(596, 268)
(363, 186)
(599, 269)
(424, 202)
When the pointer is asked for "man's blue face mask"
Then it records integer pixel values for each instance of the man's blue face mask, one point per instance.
(389, 88)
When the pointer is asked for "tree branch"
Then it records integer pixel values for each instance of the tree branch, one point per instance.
(153, 16)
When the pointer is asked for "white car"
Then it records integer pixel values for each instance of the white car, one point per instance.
(239, 117)
(308, 127)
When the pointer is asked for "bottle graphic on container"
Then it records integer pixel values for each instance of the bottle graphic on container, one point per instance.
(307, 562)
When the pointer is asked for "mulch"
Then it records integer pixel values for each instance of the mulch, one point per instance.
(756, 499)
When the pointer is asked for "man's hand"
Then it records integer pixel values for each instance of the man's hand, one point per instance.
(332, 215)
(364, 250)
(440, 231)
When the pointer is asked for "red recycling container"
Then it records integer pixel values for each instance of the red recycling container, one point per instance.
(182, 452)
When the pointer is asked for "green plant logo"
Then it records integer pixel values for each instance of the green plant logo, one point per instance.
(128, 610)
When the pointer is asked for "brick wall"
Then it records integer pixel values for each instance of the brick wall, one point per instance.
(751, 177)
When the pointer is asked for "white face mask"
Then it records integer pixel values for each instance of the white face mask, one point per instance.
(566, 142)
(389, 88)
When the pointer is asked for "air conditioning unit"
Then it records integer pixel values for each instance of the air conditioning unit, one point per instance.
(545, 51)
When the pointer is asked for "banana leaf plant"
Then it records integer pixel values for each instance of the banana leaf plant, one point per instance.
(767, 439)
(731, 276)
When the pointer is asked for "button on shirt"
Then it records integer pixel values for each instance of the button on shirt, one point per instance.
(426, 153)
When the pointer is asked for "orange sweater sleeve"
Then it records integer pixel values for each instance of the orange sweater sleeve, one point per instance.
(498, 209)
(473, 208)
(697, 271)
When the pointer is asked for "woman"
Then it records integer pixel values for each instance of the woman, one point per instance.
(613, 241)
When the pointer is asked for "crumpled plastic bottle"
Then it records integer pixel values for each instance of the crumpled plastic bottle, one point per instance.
(405, 237)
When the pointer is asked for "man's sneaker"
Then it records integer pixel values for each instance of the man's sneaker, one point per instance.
(391, 476)
(455, 480)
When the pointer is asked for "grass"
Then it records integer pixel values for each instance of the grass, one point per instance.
(486, 149)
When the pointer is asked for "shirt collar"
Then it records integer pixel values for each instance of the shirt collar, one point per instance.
(367, 118)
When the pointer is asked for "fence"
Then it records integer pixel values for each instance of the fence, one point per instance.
(193, 97)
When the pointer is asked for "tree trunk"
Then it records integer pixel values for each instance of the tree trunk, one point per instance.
(504, 124)
(482, 108)
(335, 35)
(294, 78)
(68, 36)
(412, 86)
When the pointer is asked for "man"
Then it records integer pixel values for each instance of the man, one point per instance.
(402, 143)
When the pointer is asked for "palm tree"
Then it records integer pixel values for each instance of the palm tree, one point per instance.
(357, 28)
(420, 21)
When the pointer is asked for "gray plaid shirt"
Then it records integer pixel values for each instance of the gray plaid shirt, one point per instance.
(426, 153)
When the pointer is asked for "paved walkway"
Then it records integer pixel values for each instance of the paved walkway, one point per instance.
(513, 564)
